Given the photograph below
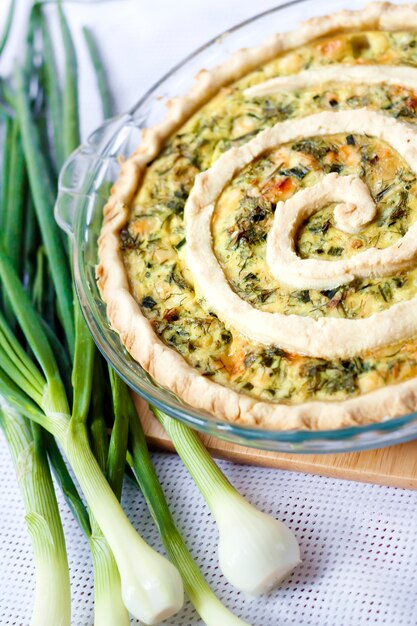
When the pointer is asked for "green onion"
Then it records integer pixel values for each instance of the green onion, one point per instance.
(106, 104)
(108, 606)
(70, 129)
(30, 245)
(151, 586)
(20, 362)
(67, 485)
(256, 552)
(53, 93)
(116, 459)
(9, 20)
(13, 210)
(52, 605)
(13, 221)
(43, 197)
(19, 400)
(5, 161)
(205, 602)
(7, 97)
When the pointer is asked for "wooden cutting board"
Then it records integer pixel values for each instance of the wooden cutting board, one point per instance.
(395, 466)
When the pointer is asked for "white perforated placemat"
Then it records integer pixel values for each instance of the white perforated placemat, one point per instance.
(358, 542)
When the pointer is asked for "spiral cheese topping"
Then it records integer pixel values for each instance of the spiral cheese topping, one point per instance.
(325, 337)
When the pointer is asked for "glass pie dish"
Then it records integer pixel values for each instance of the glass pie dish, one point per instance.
(84, 187)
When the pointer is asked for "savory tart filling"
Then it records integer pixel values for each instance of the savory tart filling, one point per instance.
(287, 271)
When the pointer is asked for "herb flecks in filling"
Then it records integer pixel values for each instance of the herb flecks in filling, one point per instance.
(153, 242)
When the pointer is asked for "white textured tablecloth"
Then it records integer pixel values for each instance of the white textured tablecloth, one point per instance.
(358, 542)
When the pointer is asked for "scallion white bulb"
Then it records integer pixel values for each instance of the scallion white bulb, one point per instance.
(256, 551)
(154, 591)
(152, 588)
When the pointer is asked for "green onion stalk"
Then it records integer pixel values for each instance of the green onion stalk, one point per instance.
(109, 608)
(108, 605)
(9, 19)
(14, 205)
(43, 200)
(106, 104)
(71, 133)
(209, 607)
(151, 586)
(52, 605)
(53, 91)
(5, 162)
(256, 551)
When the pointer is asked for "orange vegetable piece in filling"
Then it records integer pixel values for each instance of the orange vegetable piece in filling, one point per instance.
(331, 48)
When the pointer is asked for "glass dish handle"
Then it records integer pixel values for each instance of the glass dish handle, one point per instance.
(78, 171)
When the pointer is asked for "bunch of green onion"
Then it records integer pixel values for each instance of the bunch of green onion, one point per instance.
(58, 398)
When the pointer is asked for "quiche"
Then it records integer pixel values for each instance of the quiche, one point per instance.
(258, 255)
